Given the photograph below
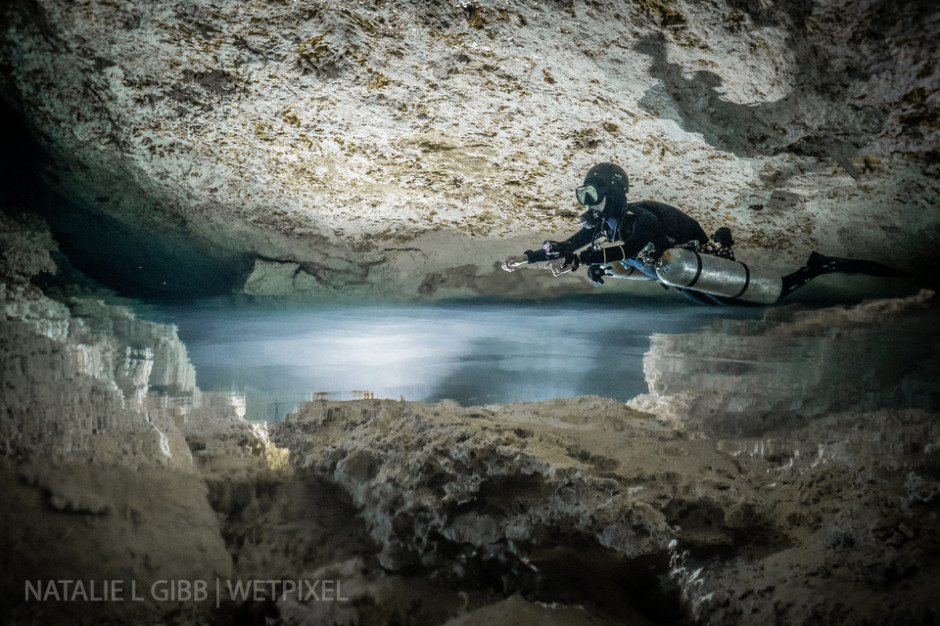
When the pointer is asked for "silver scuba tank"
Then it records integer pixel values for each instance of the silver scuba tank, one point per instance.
(687, 269)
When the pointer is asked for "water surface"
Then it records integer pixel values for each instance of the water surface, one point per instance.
(474, 353)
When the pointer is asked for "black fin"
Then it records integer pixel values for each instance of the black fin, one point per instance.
(827, 264)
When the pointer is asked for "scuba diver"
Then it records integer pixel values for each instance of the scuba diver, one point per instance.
(655, 241)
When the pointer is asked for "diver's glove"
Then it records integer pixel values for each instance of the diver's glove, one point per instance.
(511, 263)
(597, 272)
(557, 249)
(564, 264)
(561, 257)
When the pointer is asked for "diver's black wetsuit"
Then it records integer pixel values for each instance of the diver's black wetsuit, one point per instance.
(637, 233)
(629, 228)
(635, 224)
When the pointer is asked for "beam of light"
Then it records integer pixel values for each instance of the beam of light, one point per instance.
(479, 354)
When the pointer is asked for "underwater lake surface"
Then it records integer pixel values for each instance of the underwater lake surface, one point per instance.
(479, 352)
(474, 353)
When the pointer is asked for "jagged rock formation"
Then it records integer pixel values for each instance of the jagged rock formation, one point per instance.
(99, 480)
(589, 502)
(397, 150)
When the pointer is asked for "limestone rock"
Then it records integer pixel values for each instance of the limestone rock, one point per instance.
(462, 490)
(550, 499)
(192, 142)
(516, 610)
(142, 529)
(269, 278)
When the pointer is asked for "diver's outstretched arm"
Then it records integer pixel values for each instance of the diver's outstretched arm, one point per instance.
(549, 252)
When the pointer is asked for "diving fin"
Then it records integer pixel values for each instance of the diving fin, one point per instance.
(826, 264)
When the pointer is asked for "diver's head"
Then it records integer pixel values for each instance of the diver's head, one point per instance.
(605, 185)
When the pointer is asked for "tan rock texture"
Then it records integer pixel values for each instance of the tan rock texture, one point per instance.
(581, 501)
(374, 149)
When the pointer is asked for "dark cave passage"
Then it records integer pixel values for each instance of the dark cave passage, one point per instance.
(146, 261)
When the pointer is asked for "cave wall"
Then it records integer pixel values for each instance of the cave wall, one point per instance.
(398, 150)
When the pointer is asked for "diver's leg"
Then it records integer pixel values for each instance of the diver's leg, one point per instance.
(795, 280)
(819, 264)
(854, 266)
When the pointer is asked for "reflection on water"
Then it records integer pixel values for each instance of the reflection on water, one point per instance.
(474, 353)
(724, 372)
(744, 378)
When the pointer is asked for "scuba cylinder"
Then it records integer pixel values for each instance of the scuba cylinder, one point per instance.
(688, 269)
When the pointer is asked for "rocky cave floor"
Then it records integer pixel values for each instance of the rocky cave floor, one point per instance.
(559, 512)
